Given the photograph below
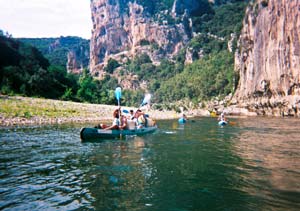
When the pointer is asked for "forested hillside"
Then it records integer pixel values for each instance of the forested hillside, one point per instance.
(56, 50)
(25, 71)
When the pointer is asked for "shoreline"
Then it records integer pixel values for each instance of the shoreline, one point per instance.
(18, 111)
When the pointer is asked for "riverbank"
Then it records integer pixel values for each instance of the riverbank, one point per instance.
(18, 111)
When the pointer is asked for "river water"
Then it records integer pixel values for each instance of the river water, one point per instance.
(251, 164)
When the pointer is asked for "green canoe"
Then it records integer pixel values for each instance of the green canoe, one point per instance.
(94, 133)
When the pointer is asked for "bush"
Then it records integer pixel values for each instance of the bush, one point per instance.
(112, 64)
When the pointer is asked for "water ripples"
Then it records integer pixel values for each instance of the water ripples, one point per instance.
(44, 173)
(253, 165)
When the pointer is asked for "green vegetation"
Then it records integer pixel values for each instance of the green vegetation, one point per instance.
(27, 108)
(226, 19)
(56, 49)
(112, 64)
(207, 44)
(211, 76)
(156, 6)
(25, 71)
(208, 77)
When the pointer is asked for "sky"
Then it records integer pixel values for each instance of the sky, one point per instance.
(46, 18)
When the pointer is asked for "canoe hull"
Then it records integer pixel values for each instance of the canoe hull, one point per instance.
(94, 133)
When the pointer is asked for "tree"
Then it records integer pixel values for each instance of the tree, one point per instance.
(87, 91)
(112, 64)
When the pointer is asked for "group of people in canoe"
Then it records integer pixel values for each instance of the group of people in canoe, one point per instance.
(128, 121)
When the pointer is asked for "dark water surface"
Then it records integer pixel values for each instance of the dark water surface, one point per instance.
(252, 164)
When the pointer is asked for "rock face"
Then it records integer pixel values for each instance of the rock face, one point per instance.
(123, 29)
(269, 59)
(78, 59)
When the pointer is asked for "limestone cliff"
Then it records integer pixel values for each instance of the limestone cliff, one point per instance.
(123, 29)
(269, 58)
(77, 59)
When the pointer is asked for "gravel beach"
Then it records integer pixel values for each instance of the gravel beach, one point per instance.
(17, 111)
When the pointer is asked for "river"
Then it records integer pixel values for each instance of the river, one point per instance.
(251, 164)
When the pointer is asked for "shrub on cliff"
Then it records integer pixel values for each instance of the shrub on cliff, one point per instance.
(112, 64)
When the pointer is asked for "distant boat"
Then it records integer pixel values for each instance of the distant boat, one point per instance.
(94, 133)
(182, 120)
(222, 123)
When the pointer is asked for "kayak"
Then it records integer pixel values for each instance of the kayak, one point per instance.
(95, 133)
(222, 123)
(181, 120)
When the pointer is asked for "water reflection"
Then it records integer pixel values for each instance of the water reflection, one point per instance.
(119, 171)
(252, 165)
(270, 150)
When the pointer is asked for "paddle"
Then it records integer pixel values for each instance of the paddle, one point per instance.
(232, 123)
(146, 100)
(118, 94)
(181, 109)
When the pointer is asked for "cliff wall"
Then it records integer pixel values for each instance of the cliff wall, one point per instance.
(77, 59)
(123, 29)
(269, 58)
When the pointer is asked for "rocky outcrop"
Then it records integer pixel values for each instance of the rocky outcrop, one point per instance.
(269, 58)
(124, 29)
(78, 59)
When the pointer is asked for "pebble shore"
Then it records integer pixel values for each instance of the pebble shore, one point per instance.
(66, 112)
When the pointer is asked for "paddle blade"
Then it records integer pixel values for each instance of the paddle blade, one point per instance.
(118, 93)
(232, 123)
(146, 99)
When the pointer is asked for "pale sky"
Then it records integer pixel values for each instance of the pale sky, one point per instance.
(46, 18)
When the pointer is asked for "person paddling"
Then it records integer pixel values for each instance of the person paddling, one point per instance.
(184, 116)
(131, 114)
(222, 117)
(115, 124)
(123, 122)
